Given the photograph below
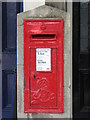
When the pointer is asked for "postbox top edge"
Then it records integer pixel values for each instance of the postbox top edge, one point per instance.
(44, 20)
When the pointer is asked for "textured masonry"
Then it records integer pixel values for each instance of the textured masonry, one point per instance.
(44, 12)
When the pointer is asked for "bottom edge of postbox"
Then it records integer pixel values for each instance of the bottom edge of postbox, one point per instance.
(53, 111)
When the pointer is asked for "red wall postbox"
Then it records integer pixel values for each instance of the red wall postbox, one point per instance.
(43, 66)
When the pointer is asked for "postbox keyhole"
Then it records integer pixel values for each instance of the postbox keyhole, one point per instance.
(34, 76)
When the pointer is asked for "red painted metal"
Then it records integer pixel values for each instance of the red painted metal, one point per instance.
(43, 90)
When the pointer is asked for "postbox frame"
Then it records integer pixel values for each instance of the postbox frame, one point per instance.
(27, 109)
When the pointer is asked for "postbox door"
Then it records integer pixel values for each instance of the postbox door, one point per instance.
(43, 79)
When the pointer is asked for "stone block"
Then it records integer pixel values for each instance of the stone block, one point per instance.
(44, 12)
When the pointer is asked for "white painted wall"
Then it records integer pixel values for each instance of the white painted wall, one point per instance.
(31, 4)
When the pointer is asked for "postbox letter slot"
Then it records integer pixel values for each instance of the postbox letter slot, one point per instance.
(43, 36)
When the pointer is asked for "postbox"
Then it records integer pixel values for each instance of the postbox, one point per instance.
(43, 66)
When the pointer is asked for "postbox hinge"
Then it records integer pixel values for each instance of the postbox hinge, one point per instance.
(29, 82)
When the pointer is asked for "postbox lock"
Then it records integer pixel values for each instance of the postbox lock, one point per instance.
(34, 76)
